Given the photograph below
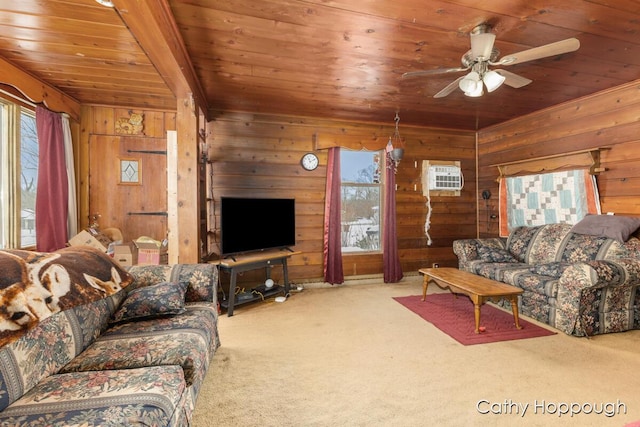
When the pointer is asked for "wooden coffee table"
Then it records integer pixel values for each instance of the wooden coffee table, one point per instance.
(479, 289)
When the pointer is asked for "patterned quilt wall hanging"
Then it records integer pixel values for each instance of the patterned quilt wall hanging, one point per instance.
(557, 197)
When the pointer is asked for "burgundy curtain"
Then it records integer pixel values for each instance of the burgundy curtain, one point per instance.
(53, 190)
(390, 257)
(333, 272)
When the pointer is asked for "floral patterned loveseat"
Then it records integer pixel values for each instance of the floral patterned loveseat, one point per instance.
(581, 284)
(103, 346)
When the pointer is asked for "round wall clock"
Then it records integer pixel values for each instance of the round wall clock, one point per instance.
(309, 161)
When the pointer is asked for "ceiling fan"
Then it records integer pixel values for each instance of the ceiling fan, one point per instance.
(483, 54)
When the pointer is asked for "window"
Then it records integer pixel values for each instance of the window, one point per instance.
(19, 176)
(361, 176)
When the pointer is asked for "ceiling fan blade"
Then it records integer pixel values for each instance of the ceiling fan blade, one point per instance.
(512, 79)
(432, 72)
(449, 88)
(557, 48)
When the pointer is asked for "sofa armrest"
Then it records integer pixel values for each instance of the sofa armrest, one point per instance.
(615, 279)
(202, 279)
(601, 273)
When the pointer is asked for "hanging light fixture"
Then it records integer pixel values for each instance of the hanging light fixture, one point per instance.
(482, 51)
(394, 149)
(476, 92)
(472, 83)
(492, 80)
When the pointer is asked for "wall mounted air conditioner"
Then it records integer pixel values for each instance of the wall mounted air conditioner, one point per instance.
(445, 178)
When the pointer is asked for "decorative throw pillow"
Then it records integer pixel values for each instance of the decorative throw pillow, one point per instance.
(489, 254)
(162, 299)
(615, 227)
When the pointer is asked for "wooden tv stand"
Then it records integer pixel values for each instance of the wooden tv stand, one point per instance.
(254, 261)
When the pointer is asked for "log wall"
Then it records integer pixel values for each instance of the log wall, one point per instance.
(607, 119)
(259, 156)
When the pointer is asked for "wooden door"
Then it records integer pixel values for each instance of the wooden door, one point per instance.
(136, 203)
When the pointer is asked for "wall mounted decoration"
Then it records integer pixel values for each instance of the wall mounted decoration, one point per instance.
(132, 125)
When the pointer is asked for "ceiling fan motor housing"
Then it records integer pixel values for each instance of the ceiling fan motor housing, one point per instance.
(468, 59)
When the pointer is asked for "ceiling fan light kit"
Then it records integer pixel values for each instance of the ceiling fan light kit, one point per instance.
(476, 92)
(483, 54)
(493, 80)
(472, 83)
(469, 82)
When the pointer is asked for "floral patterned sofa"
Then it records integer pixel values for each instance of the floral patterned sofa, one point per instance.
(581, 284)
(136, 354)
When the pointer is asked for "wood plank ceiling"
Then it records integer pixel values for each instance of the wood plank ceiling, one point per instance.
(335, 59)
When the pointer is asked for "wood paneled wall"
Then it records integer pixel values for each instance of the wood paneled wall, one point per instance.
(610, 118)
(259, 156)
(98, 124)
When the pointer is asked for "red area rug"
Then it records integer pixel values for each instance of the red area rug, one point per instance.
(454, 316)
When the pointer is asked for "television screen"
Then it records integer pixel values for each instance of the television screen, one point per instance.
(251, 224)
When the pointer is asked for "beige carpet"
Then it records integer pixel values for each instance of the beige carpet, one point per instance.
(352, 356)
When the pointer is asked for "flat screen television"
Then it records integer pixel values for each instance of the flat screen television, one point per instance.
(253, 224)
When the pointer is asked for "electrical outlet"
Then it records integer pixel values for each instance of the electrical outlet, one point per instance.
(435, 265)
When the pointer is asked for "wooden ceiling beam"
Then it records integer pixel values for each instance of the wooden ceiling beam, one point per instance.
(152, 24)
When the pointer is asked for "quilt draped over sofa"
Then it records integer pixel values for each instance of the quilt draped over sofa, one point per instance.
(35, 285)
